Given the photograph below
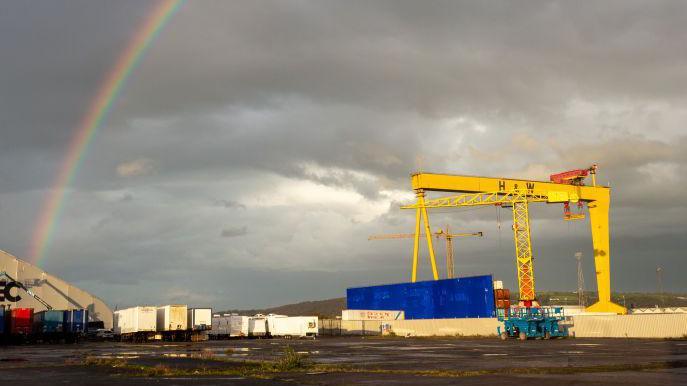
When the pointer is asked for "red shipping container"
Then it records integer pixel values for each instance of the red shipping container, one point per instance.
(506, 294)
(21, 321)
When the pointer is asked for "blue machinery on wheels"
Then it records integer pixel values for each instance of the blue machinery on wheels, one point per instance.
(535, 322)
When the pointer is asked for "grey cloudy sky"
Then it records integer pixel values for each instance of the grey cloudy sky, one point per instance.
(259, 143)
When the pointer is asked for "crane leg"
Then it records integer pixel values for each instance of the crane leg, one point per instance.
(428, 232)
(449, 257)
(523, 250)
(598, 219)
(416, 245)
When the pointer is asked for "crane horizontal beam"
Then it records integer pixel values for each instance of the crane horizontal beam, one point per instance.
(474, 184)
(490, 198)
(411, 235)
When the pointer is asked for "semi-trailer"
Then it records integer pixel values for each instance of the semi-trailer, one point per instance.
(291, 326)
(172, 317)
(21, 324)
(48, 325)
(220, 327)
(199, 323)
(199, 319)
(136, 324)
(227, 326)
(2, 322)
(238, 326)
(75, 324)
(257, 326)
(172, 323)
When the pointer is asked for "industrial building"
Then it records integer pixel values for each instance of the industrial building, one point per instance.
(50, 289)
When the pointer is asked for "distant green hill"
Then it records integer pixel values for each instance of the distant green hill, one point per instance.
(328, 308)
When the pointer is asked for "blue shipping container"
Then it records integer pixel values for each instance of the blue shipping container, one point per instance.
(49, 322)
(465, 297)
(2, 320)
(75, 321)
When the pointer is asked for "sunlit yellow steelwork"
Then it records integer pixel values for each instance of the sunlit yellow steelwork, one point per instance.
(421, 212)
(487, 190)
(521, 225)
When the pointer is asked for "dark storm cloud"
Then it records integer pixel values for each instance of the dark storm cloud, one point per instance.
(301, 121)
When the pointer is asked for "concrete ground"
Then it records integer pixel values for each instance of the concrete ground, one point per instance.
(356, 360)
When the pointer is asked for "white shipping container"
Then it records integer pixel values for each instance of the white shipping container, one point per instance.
(199, 319)
(257, 325)
(498, 284)
(135, 319)
(292, 326)
(172, 318)
(372, 315)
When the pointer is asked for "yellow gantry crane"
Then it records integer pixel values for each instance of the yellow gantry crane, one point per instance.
(564, 188)
(446, 234)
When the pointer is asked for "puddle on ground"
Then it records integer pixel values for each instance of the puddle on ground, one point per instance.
(571, 352)
(587, 344)
(117, 356)
(494, 355)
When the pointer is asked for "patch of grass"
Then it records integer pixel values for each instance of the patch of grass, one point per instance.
(104, 362)
(289, 361)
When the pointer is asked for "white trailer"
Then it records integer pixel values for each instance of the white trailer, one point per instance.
(135, 323)
(239, 326)
(292, 326)
(220, 327)
(199, 319)
(172, 318)
(257, 326)
(230, 326)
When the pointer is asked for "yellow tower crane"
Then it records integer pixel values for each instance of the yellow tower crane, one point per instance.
(564, 188)
(446, 234)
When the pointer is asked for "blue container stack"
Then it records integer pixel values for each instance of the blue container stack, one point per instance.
(48, 322)
(75, 321)
(2, 320)
(465, 297)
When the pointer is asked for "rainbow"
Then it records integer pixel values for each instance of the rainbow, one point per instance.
(107, 94)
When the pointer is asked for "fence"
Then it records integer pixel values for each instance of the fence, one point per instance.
(335, 327)
(630, 326)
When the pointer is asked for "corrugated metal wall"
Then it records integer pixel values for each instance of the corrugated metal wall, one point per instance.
(465, 297)
(630, 326)
(592, 326)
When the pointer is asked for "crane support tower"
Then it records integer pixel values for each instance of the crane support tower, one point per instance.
(564, 188)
